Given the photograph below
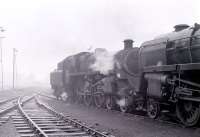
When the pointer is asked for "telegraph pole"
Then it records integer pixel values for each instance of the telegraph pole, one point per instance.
(14, 63)
(1, 59)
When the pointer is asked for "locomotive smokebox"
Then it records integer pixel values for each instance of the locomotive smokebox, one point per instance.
(180, 27)
(128, 43)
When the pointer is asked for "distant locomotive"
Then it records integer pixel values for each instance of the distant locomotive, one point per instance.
(162, 75)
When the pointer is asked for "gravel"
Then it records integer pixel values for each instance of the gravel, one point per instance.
(8, 130)
(118, 124)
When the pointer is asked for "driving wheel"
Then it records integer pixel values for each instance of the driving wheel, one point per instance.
(88, 100)
(99, 99)
(124, 105)
(153, 108)
(110, 103)
(188, 112)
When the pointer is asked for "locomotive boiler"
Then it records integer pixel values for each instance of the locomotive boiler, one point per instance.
(160, 76)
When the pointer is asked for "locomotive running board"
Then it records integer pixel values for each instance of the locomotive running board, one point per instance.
(197, 99)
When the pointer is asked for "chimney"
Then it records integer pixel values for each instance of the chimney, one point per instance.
(128, 43)
(180, 27)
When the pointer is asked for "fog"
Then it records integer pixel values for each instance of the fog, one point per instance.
(46, 31)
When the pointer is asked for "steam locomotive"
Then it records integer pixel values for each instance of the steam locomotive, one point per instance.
(160, 76)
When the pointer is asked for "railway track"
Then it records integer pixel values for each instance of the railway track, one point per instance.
(33, 118)
(4, 105)
(7, 101)
(163, 120)
(8, 108)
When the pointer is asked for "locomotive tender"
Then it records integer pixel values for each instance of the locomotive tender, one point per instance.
(162, 75)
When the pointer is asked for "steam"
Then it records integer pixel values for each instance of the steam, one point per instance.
(121, 102)
(64, 96)
(104, 61)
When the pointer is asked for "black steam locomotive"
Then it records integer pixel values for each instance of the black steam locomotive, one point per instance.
(162, 75)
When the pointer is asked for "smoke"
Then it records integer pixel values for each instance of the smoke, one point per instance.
(104, 61)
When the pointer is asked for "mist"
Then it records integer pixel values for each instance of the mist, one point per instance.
(46, 31)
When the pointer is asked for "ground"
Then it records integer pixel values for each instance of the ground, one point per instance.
(112, 122)
(8, 130)
(121, 125)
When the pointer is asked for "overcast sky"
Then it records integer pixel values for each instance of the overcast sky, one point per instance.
(46, 31)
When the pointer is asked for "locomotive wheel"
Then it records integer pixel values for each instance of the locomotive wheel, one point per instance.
(188, 112)
(88, 100)
(77, 100)
(153, 109)
(58, 97)
(125, 107)
(80, 99)
(110, 102)
(99, 100)
(64, 98)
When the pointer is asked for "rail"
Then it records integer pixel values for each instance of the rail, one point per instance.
(76, 123)
(30, 121)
